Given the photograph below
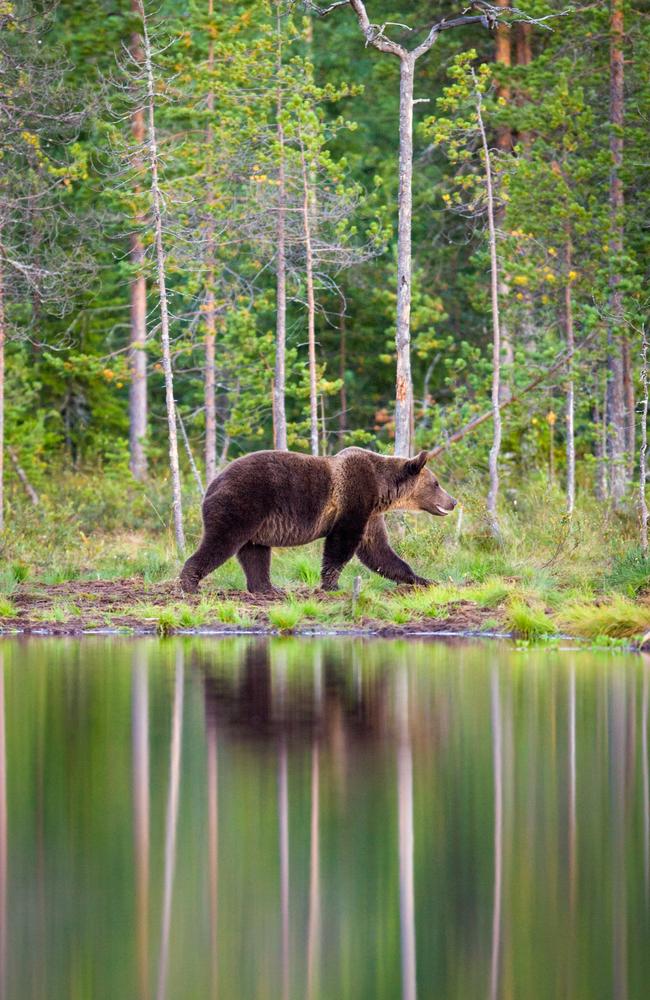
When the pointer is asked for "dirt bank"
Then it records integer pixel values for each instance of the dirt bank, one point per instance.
(78, 607)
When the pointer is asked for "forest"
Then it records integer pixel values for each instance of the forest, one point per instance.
(227, 227)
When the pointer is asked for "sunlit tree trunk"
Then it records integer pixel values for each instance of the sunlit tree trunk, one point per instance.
(643, 456)
(570, 401)
(210, 318)
(343, 397)
(404, 387)
(162, 288)
(3, 338)
(617, 360)
(279, 382)
(311, 303)
(496, 329)
(138, 296)
(503, 56)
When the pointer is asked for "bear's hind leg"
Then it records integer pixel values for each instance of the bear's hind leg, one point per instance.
(211, 553)
(256, 563)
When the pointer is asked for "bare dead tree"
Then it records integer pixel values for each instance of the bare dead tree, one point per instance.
(156, 199)
(279, 382)
(210, 313)
(617, 363)
(311, 300)
(138, 292)
(496, 328)
(643, 464)
(375, 35)
(570, 387)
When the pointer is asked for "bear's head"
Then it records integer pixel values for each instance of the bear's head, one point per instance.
(420, 490)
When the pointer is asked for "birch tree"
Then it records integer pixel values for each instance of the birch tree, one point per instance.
(157, 218)
(138, 287)
(375, 36)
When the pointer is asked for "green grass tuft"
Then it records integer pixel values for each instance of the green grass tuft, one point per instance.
(7, 609)
(285, 616)
(619, 619)
(527, 622)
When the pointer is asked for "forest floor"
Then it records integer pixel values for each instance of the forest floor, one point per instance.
(78, 607)
(72, 565)
(501, 608)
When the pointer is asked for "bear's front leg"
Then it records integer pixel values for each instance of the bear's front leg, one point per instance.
(340, 546)
(376, 553)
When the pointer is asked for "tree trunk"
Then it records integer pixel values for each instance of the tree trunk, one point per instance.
(210, 319)
(138, 295)
(643, 504)
(616, 417)
(496, 330)
(503, 55)
(404, 388)
(162, 288)
(279, 411)
(570, 402)
(3, 337)
(311, 304)
(343, 398)
(524, 57)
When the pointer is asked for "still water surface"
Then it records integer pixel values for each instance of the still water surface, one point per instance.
(327, 819)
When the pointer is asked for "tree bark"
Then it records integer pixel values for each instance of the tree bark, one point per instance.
(643, 471)
(279, 408)
(496, 330)
(404, 388)
(343, 398)
(570, 402)
(210, 317)
(3, 338)
(138, 297)
(616, 360)
(503, 55)
(311, 303)
(162, 289)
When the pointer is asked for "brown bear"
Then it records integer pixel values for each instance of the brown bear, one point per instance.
(280, 498)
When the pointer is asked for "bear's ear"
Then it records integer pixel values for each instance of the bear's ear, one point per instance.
(414, 466)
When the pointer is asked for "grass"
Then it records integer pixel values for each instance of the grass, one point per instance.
(620, 618)
(528, 622)
(7, 609)
(545, 575)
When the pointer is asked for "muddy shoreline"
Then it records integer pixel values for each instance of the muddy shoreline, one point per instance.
(124, 607)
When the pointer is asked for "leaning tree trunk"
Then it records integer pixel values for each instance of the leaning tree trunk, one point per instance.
(570, 401)
(496, 329)
(162, 289)
(210, 318)
(279, 382)
(404, 388)
(311, 304)
(616, 360)
(138, 295)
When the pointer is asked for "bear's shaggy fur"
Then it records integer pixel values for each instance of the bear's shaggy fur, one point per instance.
(279, 498)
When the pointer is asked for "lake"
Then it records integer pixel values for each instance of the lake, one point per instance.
(246, 817)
